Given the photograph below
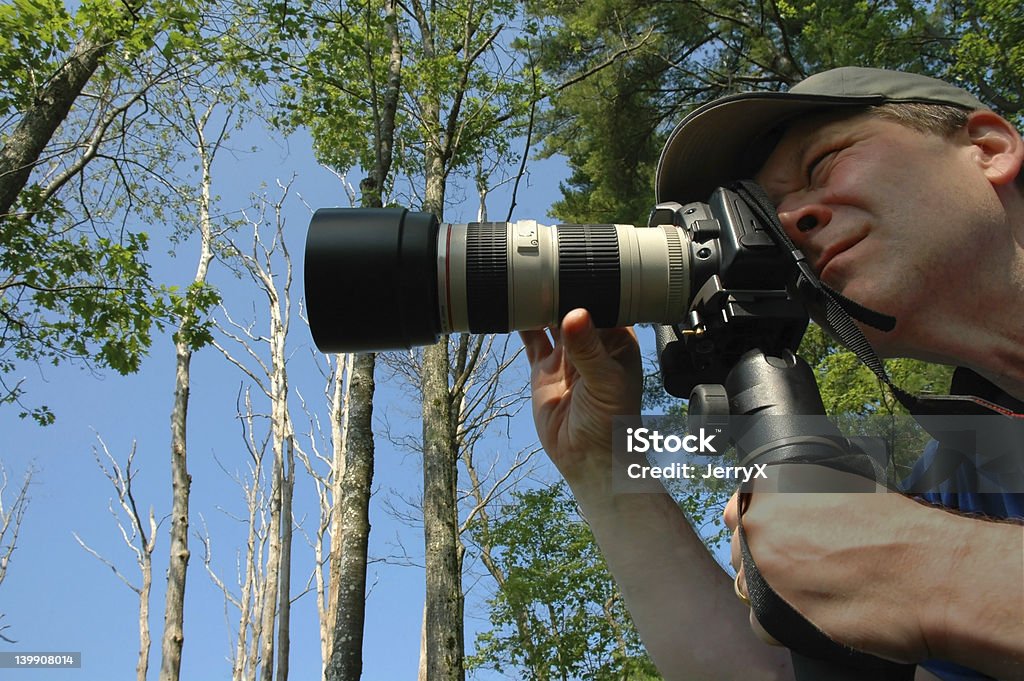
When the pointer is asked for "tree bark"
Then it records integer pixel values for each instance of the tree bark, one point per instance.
(444, 607)
(348, 595)
(285, 590)
(181, 482)
(40, 121)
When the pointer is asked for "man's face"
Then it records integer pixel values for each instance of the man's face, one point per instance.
(890, 217)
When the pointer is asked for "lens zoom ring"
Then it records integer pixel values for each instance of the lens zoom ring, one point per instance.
(487, 277)
(588, 271)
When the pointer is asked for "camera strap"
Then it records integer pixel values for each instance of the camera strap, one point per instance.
(816, 655)
(839, 314)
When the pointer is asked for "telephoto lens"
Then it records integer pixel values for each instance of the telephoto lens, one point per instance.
(384, 279)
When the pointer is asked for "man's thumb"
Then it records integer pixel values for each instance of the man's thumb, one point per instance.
(582, 342)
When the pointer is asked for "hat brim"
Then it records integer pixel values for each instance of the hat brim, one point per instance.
(728, 136)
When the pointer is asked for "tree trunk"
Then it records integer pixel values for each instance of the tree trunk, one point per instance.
(145, 641)
(444, 598)
(272, 583)
(40, 121)
(339, 410)
(348, 595)
(285, 590)
(181, 482)
(444, 640)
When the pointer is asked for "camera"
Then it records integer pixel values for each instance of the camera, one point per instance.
(709, 276)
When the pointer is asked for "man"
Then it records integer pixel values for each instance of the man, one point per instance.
(903, 193)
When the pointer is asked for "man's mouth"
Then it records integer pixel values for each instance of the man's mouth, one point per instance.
(830, 253)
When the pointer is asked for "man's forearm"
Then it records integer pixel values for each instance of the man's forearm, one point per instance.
(680, 599)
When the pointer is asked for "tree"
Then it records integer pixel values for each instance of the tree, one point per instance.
(556, 613)
(12, 513)
(74, 285)
(138, 534)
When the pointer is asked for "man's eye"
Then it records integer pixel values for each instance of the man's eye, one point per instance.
(817, 162)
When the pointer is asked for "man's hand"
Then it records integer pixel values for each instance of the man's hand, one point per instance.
(582, 380)
(871, 570)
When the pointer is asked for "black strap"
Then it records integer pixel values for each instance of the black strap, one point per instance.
(815, 654)
(796, 632)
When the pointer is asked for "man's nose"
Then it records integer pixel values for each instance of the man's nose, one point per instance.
(801, 221)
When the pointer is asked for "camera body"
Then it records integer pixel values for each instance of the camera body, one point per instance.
(708, 275)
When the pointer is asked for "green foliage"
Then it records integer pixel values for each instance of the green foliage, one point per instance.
(195, 326)
(863, 405)
(32, 34)
(989, 52)
(558, 614)
(74, 284)
(647, 64)
(70, 292)
(67, 296)
(456, 95)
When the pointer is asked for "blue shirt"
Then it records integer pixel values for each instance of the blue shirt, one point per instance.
(958, 493)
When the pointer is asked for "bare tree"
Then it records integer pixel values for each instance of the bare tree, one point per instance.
(325, 463)
(12, 513)
(268, 263)
(139, 535)
(249, 598)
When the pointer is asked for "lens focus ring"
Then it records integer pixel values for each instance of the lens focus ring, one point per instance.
(487, 277)
(588, 271)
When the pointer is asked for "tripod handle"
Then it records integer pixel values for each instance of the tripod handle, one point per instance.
(778, 395)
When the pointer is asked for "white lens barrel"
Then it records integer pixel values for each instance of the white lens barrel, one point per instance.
(499, 277)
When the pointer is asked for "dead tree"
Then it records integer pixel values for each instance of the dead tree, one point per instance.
(139, 535)
(268, 263)
(12, 513)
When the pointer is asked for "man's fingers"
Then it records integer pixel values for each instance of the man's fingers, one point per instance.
(731, 514)
(537, 344)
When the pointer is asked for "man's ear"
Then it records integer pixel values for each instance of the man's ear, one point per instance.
(999, 146)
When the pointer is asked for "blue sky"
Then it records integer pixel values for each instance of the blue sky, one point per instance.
(57, 597)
